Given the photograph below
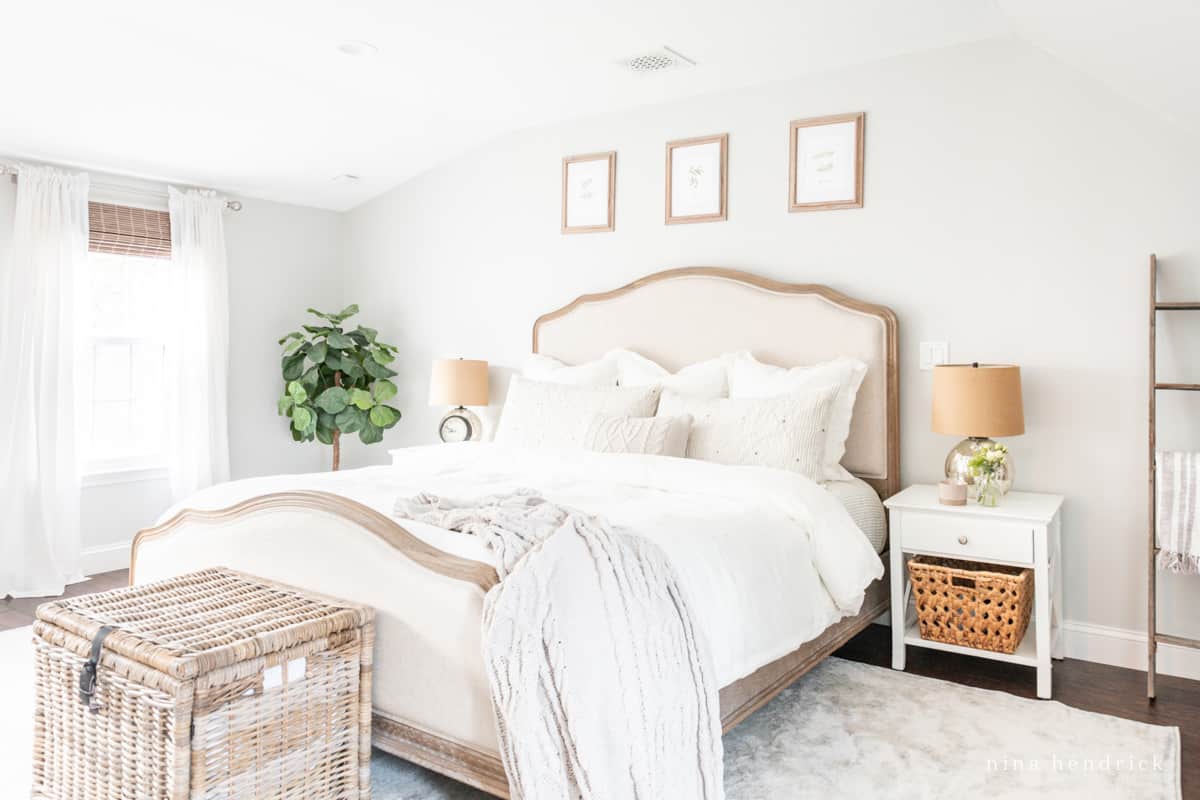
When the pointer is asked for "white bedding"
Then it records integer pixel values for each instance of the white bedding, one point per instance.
(768, 558)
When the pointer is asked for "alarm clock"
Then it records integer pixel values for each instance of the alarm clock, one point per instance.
(460, 425)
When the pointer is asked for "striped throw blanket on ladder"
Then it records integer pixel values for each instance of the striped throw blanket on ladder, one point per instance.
(1178, 490)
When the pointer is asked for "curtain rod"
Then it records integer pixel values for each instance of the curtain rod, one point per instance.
(8, 169)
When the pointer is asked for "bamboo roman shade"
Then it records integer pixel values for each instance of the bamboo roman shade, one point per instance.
(130, 231)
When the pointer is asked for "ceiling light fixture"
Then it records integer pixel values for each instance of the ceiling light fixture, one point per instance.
(357, 48)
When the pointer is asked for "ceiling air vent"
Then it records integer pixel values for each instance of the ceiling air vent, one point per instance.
(663, 59)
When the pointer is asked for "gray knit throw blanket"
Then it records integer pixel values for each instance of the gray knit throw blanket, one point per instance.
(602, 686)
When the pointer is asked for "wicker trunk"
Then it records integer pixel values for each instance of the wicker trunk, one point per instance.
(215, 684)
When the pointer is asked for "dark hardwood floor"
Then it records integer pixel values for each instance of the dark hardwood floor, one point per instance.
(1092, 687)
(18, 611)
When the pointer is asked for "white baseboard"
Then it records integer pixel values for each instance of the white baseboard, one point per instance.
(105, 558)
(1122, 647)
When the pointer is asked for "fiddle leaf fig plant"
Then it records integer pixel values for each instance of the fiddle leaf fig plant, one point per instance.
(337, 381)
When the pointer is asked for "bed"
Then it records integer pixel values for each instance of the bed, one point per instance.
(332, 533)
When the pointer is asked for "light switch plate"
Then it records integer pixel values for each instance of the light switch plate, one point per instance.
(934, 353)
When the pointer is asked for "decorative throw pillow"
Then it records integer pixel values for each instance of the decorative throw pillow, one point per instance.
(702, 379)
(650, 436)
(600, 372)
(540, 414)
(785, 432)
(748, 377)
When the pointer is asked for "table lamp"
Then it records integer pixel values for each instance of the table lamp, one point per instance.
(977, 401)
(459, 382)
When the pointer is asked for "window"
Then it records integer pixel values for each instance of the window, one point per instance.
(122, 376)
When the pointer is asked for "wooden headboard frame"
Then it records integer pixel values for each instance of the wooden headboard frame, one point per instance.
(884, 441)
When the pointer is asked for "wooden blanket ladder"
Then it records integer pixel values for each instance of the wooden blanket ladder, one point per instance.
(1153, 637)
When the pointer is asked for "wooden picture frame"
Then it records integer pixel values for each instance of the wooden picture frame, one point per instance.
(717, 199)
(591, 222)
(846, 189)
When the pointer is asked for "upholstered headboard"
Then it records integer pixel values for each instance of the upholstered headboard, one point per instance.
(681, 316)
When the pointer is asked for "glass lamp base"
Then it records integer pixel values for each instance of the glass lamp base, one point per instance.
(957, 469)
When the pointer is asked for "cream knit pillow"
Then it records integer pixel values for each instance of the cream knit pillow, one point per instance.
(785, 432)
(651, 436)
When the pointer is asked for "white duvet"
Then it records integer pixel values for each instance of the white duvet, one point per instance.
(768, 558)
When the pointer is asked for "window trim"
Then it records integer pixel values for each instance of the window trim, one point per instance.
(109, 472)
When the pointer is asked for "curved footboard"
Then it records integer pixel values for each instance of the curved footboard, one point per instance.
(429, 677)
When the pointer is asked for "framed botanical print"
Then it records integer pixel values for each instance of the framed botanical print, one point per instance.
(697, 178)
(826, 163)
(589, 185)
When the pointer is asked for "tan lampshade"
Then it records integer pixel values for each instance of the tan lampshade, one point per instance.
(978, 400)
(459, 382)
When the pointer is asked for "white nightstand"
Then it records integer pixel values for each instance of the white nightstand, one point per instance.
(1023, 530)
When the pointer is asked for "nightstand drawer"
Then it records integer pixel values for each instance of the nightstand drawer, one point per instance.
(962, 536)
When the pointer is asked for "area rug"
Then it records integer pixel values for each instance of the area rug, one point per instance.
(845, 730)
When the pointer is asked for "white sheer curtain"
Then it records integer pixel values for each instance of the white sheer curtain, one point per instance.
(197, 344)
(42, 291)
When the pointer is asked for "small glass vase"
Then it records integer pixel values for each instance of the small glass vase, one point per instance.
(990, 489)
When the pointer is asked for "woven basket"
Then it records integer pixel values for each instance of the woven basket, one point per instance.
(985, 606)
(214, 684)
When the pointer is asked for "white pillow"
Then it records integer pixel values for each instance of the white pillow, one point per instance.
(601, 372)
(540, 414)
(785, 432)
(750, 378)
(651, 436)
(703, 379)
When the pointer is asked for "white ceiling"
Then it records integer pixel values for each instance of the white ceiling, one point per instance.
(253, 97)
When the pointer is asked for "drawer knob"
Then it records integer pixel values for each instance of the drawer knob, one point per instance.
(962, 540)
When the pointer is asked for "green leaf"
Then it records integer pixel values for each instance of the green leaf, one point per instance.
(369, 333)
(361, 398)
(382, 356)
(293, 366)
(339, 340)
(370, 434)
(359, 339)
(350, 420)
(293, 346)
(292, 335)
(285, 405)
(352, 368)
(317, 352)
(297, 392)
(348, 311)
(377, 370)
(384, 416)
(382, 391)
(310, 380)
(297, 436)
(302, 418)
(333, 400)
(325, 427)
(317, 330)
